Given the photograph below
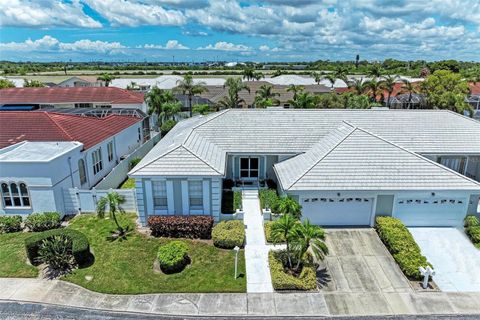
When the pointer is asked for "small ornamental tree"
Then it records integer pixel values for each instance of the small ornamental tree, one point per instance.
(113, 201)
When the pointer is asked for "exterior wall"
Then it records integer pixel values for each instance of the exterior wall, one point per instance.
(76, 82)
(471, 168)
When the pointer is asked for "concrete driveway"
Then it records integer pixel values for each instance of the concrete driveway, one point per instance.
(455, 260)
(358, 262)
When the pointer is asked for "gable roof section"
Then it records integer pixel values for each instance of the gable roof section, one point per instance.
(50, 126)
(55, 95)
(350, 158)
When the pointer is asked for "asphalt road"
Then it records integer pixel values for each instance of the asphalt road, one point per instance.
(33, 311)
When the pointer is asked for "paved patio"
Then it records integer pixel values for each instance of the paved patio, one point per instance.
(455, 259)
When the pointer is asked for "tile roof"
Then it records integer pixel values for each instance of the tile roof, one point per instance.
(51, 126)
(69, 95)
(350, 158)
(474, 88)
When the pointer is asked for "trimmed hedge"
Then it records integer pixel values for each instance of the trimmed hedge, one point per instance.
(80, 245)
(193, 227)
(269, 198)
(173, 256)
(228, 234)
(399, 241)
(471, 221)
(43, 221)
(472, 229)
(307, 280)
(268, 233)
(231, 201)
(10, 224)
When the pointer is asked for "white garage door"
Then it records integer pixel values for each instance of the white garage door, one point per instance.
(337, 211)
(444, 212)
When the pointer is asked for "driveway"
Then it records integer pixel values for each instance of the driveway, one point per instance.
(455, 260)
(358, 262)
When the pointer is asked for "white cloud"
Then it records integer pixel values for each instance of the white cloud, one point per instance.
(264, 48)
(226, 46)
(170, 45)
(30, 13)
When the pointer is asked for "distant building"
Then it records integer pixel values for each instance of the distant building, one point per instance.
(81, 81)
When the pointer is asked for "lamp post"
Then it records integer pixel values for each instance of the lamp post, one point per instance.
(236, 249)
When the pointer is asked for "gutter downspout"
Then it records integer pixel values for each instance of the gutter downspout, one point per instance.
(71, 172)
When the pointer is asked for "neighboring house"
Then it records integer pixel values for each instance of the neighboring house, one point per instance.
(474, 98)
(18, 82)
(42, 153)
(78, 97)
(166, 82)
(343, 166)
(81, 81)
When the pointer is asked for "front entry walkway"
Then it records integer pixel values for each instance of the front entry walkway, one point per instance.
(454, 258)
(256, 250)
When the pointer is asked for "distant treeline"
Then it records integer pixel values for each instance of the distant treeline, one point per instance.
(388, 66)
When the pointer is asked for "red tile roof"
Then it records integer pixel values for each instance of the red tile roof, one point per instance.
(474, 88)
(17, 126)
(69, 95)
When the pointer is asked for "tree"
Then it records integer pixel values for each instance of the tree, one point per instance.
(32, 84)
(295, 89)
(265, 97)
(473, 75)
(232, 100)
(283, 229)
(388, 84)
(277, 73)
(410, 88)
(375, 71)
(157, 99)
(318, 77)
(248, 73)
(258, 75)
(358, 85)
(288, 205)
(5, 83)
(307, 236)
(113, 201)
(330, 77)
(132, 86)
(189, 88)
(446, 90)
(304, 100)
(202, 109)
(107, 78)
(375, 89)
(170, 110)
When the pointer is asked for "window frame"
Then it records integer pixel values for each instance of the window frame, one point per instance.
(97, 162)
(250, 171)
(162, 197)
(110, 151)
(197, 192)
(21, 195)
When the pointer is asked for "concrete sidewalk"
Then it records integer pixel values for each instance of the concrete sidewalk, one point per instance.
(243, 304)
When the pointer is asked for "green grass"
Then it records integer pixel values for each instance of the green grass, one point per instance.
(13, 258)
(128, 184)
(126, 267)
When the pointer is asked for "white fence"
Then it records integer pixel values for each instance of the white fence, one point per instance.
(119, 173)
(83, 201)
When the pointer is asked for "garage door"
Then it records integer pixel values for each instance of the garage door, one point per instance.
(337, 211)
(444, 212)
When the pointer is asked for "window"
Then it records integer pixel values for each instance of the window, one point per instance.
(15, 195)
(159, 195)
(195, 193)
(97, 161)
(110, 151)
(454, 163)
(139, 134)
(81, 172)
(248, 167)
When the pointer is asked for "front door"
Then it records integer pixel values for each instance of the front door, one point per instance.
(249, 168)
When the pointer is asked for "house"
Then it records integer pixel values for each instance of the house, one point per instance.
(474, 98)
(43, 153)
(71, 97)
(343, 166)
(81, 81)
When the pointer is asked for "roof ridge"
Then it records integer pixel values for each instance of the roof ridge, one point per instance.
(200, 124)
(330, 151)
(155, 159)
(54, 121)
(200, 159)
(419, 156)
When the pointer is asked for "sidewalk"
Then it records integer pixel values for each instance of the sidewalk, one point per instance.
(256, 249)
(244, 304)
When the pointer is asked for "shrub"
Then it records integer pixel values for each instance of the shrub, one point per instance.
(269, 198)
(473, 233)
(229, 234)
(231, 201)
(399, 241)
(167, 126)
(80, 245)
(268, 233)
(134, 162)
(307, 280)
(10, 224)
(43, 221)
(181, 226)
(173, 256)
(471, 221)
(237, 200)
(56, 252)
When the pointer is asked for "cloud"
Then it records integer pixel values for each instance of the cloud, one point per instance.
(194, 33)
(226, 46)
(53, 13)
(170, 45)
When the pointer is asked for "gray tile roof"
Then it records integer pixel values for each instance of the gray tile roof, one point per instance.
(350, 158)
(206, 140)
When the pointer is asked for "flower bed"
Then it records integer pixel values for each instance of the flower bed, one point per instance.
(307, 280)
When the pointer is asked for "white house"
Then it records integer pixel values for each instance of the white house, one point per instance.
(343, 166)
(81, 81)
(42, 153)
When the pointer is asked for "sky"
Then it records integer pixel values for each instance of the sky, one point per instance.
(238, 30)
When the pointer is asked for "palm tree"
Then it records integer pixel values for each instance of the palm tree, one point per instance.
(304, 100)
(170, 109)
(232, 100)
(375, 71)
(265, 96)
(113, 201)
(156, 99)
(341, 73)
(248, 73)
(33, 83)
(289, 205)
(375, 88)
(295, 89)
(202, 109)
(358, 85)
(307, 236)
(388, 83)
(410, 88)
(188, 87)
(317, 77)
(106, 77)
(330, 77)
(132, 86)
(283, 229)
(258, 75)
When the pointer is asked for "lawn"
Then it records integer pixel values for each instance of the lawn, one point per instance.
(13, 258)
(128, 184)
(126, 267)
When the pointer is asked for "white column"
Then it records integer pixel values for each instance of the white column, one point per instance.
(149, 198)
(233, 168)
(185, 199)
(170, 198)
(206, 197)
